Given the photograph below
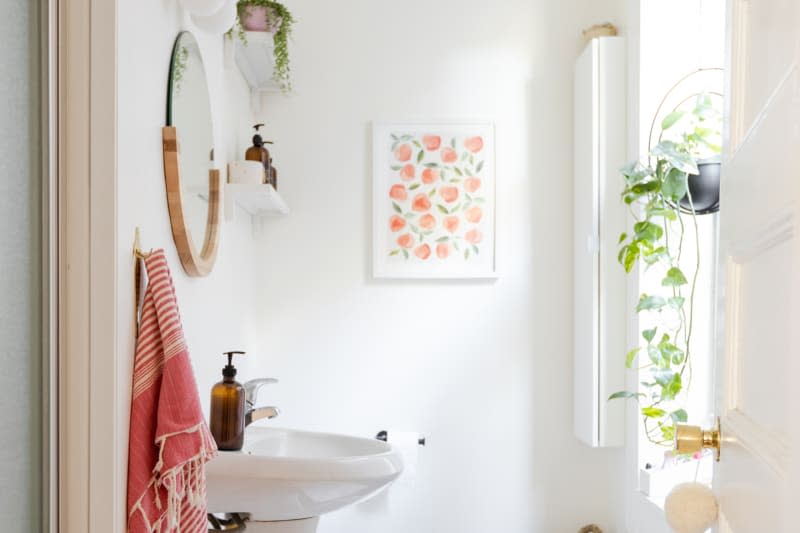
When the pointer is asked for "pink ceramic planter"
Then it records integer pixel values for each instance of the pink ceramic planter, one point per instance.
(256, 18)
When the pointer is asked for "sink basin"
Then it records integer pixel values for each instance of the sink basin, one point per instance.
(285, 474)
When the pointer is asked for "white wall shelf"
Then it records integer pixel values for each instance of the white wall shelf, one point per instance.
(256, 60)
(256, 199)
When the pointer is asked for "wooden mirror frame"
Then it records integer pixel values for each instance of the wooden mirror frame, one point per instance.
(195, 264)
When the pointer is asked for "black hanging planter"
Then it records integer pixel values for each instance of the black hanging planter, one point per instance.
(704, 188)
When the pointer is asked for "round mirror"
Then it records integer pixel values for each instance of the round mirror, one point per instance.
(192, 181)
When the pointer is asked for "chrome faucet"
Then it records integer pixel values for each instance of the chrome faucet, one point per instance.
(251, 412)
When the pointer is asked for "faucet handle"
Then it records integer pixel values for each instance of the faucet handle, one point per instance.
(251, 388)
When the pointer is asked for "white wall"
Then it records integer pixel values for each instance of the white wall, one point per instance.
(482, 369)
(219, 312)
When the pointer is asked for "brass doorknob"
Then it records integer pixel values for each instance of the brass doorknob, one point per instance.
(692, 439)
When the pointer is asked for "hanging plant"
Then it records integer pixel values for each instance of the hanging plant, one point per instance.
(655, 190)
(273, 17)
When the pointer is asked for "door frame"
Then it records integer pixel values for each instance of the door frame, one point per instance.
(48, 104)
(91, 466)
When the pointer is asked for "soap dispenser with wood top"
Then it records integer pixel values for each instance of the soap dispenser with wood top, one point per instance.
(227, 408)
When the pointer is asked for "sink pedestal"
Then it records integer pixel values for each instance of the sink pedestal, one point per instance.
(308, 525)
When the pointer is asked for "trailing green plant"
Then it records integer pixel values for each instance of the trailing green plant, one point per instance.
(655, 241)
(179, 67)
(277, 13)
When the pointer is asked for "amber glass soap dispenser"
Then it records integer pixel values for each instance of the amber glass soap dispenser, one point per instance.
(227, 409)
(258, 152)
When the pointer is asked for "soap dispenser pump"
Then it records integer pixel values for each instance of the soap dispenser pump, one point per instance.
(227, 408)
(258, 152)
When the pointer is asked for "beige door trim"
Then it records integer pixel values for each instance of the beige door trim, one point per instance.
(91, 471)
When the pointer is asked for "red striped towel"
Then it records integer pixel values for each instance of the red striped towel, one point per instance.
(169, 439)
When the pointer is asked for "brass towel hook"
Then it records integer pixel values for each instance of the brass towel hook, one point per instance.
(137, 249)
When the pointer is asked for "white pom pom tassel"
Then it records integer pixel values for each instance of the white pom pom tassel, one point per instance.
(691, 508)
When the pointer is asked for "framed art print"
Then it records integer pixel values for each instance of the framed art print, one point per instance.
(434, 201)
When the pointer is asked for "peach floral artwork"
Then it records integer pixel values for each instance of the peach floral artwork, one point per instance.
(434, 201)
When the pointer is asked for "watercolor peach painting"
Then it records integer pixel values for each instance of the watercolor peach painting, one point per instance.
(434, 201)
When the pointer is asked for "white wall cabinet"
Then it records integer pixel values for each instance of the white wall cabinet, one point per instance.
(599, 218)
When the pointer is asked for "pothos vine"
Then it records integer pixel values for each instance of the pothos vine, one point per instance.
(653, 190)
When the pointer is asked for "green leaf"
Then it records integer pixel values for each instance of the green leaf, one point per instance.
(653, 412)
(676, 355)
(625, 395)
(631, 255)
(675, 185)
(669, 214)
(479, 167)
(414, 187)
(420, 156)
(443, 239)
(630, 357)
(432, 192)
(650, 303)
(417, 144)
(674, 278)
(458, 171)
(654, 354)
(670, 383)
(668, 432)
(453, 142)
(647, 231)
(396, 167)
(432, 165)
(622, 238)
(653, 256)
(679, 416)
(410, 215)
(394, 252)
(475, 249)
(674, 154)
(648, 334)
(676, 302)
(396, 207)
(466, 253)
(671, 119)
(405, 253)
(664, 376)
(635, 172)
(443, 209)
(646, 187)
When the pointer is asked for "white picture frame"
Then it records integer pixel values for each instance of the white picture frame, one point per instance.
(434, 200)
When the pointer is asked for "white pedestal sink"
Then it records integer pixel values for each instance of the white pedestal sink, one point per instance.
(287, 478)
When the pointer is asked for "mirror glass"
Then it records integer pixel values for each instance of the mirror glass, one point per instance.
(189, 111)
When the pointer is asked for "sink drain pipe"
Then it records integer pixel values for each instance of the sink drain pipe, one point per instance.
(228, 522)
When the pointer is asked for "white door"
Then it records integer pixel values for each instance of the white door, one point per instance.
(758, 478)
